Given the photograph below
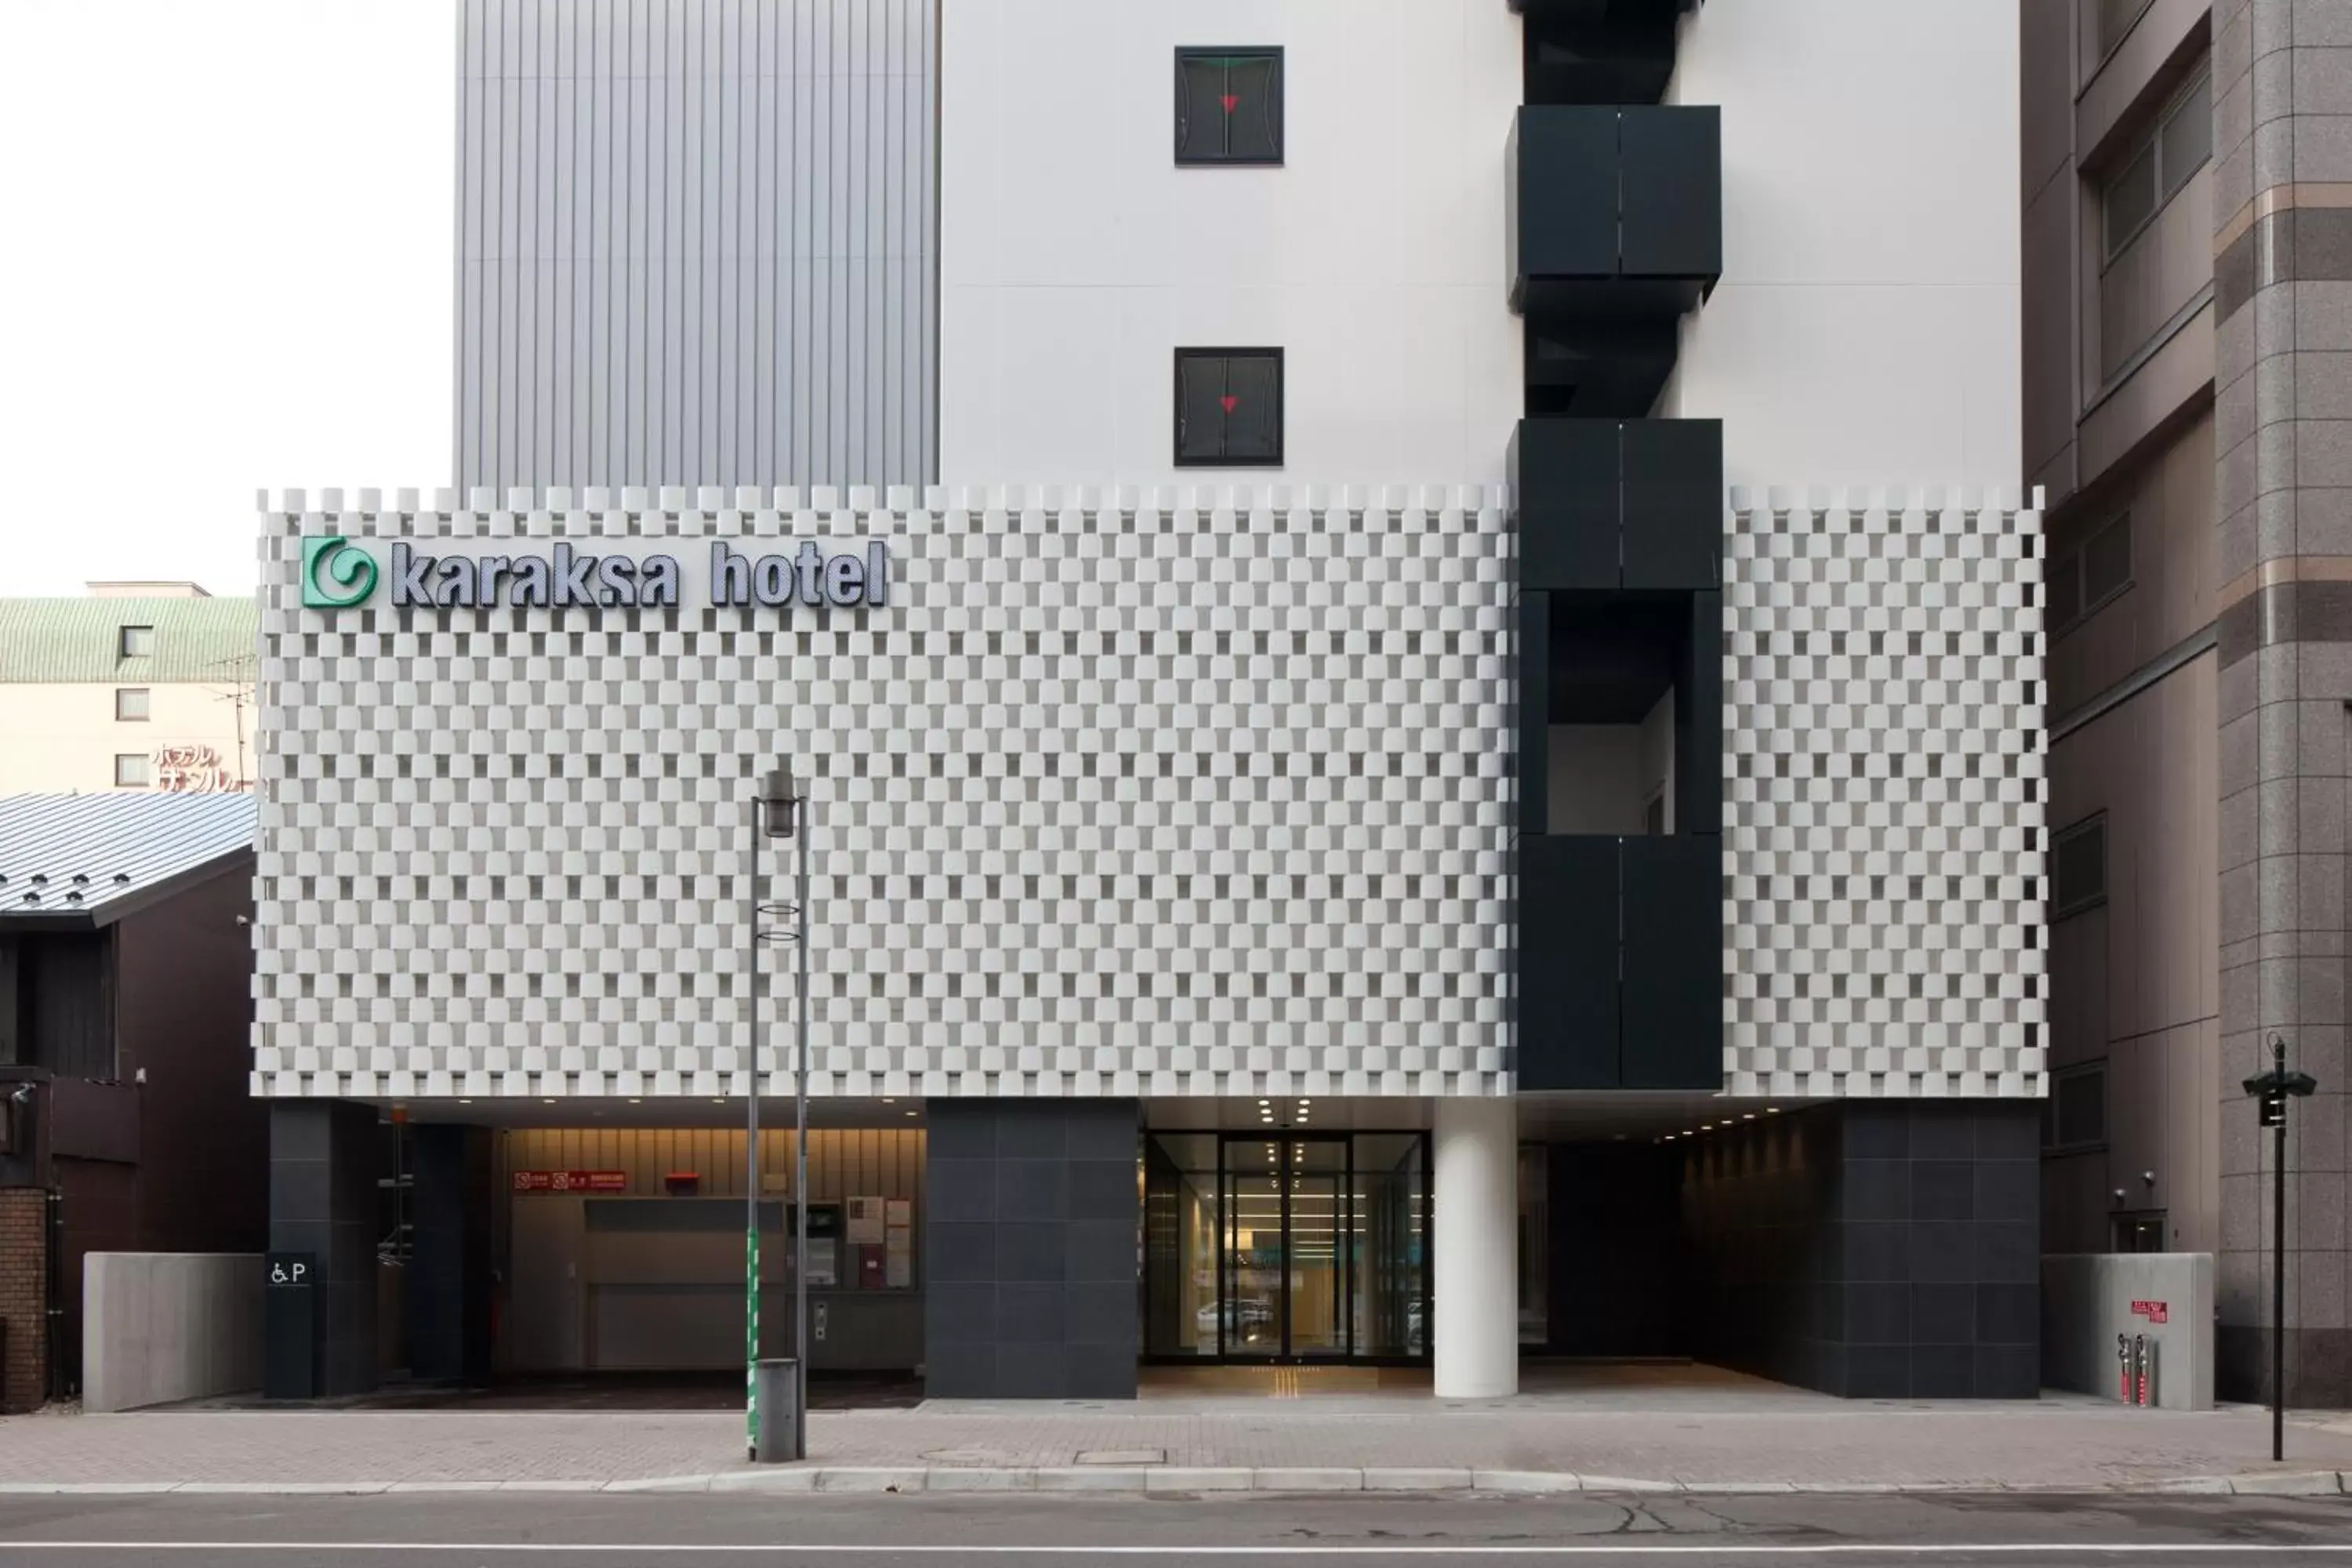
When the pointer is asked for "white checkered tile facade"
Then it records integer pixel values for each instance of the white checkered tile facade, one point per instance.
(1883, 796)
(1134, 794)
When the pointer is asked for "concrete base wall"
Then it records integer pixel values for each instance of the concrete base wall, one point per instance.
(2086, 1302)
(163, 1326)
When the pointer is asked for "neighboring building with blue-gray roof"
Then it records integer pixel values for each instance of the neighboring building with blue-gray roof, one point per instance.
(126, 974)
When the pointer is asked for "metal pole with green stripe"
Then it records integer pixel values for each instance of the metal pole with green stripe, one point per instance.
(751, 1170)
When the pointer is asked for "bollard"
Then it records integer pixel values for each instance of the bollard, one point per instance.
(779, 1393)
(2147, 1375)
(2122, 1368)
(2139, 1365)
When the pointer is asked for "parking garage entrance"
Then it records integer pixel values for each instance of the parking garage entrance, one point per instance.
(1288, 1247)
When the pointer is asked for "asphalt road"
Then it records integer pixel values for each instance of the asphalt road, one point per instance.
(590, 1531)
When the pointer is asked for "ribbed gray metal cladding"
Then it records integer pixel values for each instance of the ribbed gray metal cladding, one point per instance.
(697, 242)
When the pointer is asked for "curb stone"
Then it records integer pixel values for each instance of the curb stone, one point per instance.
(1086, 1477)
(2289, 1483)
(1526, 1481)
(1168, 1482)
(663, 1484)
(1306, 1479)
(299, 1489)
(979, 1479)
(869, 1479)
(1378, 1480)
(1165, 1480)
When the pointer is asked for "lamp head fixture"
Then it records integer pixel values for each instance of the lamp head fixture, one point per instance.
(779, 800)
(2273, 1089)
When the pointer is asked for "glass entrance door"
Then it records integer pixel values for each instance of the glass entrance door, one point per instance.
(1286, 1247)
(1285, 1275)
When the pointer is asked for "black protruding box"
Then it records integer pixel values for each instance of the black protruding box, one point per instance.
(1563, 476)
(1618, 504)
(1670, 167)
(1672, 503)
(1672, 998)
(1567, 962)
(1612, 212)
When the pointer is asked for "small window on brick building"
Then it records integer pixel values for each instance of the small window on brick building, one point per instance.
(131, 770)
(1228, 408)
(1229, 106)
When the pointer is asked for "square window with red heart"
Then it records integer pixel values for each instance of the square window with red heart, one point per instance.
(1229, 106)
(1229, 408)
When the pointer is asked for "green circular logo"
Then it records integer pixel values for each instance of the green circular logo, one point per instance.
(336, 574)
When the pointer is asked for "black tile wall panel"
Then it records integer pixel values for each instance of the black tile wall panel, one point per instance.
(1671, 1027)
(1564, 479)
(1030, 1219)
(1913, 1222)
(1567, 993)
(1670, 158)
(1673, 501)
(324, 1156)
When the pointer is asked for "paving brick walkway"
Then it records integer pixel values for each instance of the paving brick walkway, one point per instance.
(1678, 1437)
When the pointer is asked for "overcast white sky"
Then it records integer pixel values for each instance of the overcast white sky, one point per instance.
(225, 265)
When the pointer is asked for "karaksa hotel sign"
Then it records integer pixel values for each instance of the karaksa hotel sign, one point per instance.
(341, 573)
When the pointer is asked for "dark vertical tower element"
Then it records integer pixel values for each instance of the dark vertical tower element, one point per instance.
(1614, 221)
(323, 1158)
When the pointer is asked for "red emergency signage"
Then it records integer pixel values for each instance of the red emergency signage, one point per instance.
(572, 1181)
(2154, 1312)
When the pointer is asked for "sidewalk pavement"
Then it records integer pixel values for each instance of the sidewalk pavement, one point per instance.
(1732, 1437)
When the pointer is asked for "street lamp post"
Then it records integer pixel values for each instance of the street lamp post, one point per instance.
(778, 811)
(2272, 1090)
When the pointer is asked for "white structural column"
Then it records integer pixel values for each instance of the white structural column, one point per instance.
(1474, 1245)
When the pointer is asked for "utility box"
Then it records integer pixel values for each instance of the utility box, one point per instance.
(776, 1383)
(2158, 1304)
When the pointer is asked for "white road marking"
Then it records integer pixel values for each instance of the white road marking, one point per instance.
(745, 1549)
